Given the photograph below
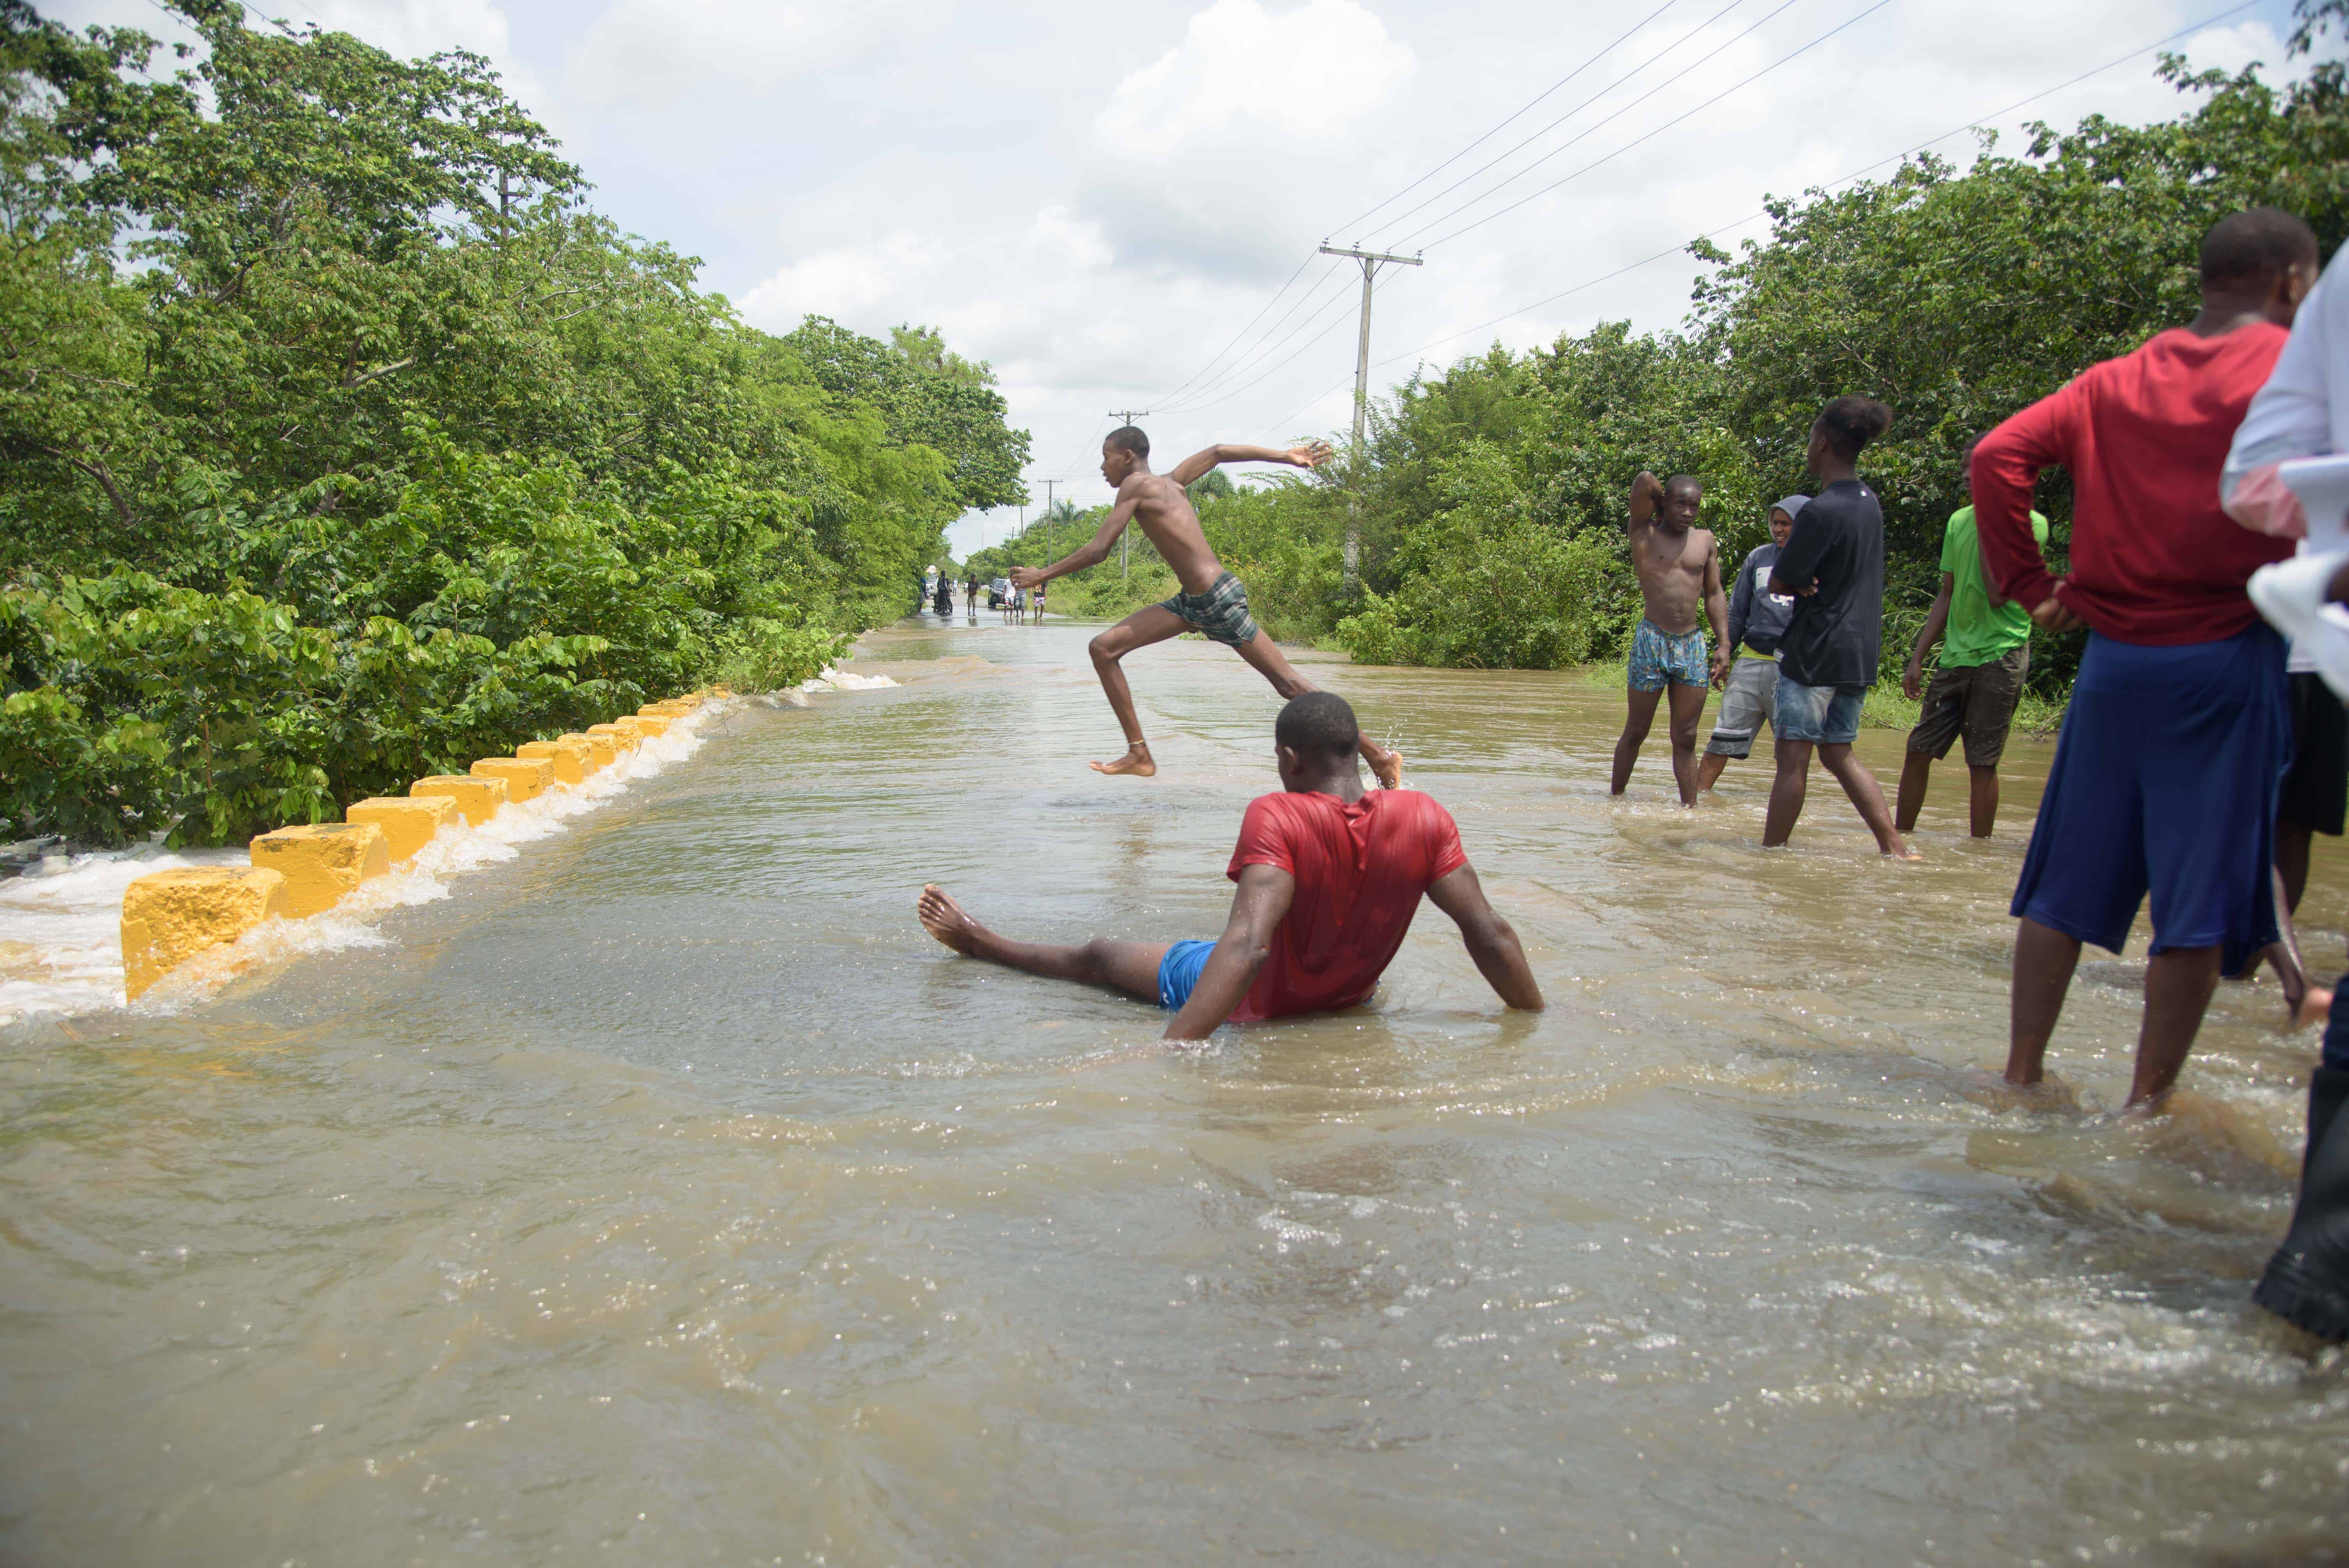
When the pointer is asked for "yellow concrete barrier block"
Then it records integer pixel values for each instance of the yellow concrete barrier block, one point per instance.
(622, 736)
(648, 723)
(478, 800)
(569, 756)
(323, 863)
(601, 750)
(527, 777)
(408, 824)
(168, 917)
(721, 691)
(675, 708)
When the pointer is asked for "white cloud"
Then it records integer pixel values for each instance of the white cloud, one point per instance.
(1078, 244)
(1308, 73)
(848, 281)
(414, 30)
(656, 54)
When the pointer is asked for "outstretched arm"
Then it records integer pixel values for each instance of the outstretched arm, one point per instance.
(1258, 909)
(1647, 500)
(1092, 552)
(1491, 940)
(1195, 467)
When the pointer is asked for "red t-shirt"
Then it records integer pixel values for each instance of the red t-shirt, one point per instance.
(1360, 871)
(2154, 561)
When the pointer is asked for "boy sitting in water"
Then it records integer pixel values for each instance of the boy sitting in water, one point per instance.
(1679, 569)
(1329, 876)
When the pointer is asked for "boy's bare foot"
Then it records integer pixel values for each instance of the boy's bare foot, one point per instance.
(1989, 1088)
(943, 918)
(1903, 853)
(1386, 766)
(1135, 761)
(2316, 1007)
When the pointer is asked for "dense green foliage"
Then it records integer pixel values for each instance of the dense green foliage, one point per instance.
(341, 442)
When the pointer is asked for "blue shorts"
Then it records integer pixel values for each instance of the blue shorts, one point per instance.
(2165, 782)
(1179, 971)
(1659, 659)
(1821, 714)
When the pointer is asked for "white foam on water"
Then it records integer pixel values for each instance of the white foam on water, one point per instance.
(61, 921)
(61, 926)
(846, 680)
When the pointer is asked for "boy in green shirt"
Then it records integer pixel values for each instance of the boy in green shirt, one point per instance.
(1979, 680)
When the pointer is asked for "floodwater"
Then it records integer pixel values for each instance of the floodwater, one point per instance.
(663, 1194)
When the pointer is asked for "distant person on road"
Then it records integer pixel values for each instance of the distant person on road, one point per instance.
(1212, 601)
(1679, 568)
(1978, 680)
(2175, 740)
(1834, 566)
(1329, 876)
(1039, 605)
(1757, 619)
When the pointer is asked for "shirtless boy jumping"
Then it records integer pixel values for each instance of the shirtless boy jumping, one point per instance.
(1679, 568)
(1212, 600)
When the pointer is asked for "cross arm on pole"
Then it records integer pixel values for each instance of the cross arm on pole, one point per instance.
(1360, 255)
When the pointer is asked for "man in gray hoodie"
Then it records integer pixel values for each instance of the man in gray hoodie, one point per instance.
(1757, 618)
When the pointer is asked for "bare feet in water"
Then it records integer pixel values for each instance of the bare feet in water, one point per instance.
(1990, 1088)
(943, 918)
(1387, 766)
(1135, 761)
(2314, 1007)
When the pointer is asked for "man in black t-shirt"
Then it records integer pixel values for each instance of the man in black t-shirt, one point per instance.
(1834, 565)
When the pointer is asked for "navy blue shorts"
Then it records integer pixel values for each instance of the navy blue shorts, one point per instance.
(1179, 971)
(2165, 782)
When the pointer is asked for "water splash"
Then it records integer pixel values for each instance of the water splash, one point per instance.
(61, 921)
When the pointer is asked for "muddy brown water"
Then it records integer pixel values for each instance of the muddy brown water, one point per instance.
(665, 1195)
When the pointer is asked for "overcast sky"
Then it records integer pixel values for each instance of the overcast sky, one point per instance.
(1098, 200)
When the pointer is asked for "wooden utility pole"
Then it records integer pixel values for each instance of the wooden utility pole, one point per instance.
(1370, 260)
(1048, 525)
(1127, 416)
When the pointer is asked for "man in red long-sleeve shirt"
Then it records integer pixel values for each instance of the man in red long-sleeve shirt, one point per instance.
(2165, 776)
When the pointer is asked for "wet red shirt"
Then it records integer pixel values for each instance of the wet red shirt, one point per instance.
(2154, 561)
(1360, 872)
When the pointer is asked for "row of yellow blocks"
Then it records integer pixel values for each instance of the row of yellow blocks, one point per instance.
(170, 916)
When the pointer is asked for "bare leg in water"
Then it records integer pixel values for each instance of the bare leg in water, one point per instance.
(1128, 966)
(1792, 784)
(2304, 1004)
(2177, 987)
(1156, 624)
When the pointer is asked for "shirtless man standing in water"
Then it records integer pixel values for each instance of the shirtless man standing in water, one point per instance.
(1212, 600)
(1679, 568)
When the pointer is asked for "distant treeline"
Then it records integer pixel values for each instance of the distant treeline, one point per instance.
(1492, 495)
(340, 441)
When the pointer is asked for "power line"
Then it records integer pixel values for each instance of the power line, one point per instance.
(1974, 123)
(1628, 146)
(1578, 108)
(1265, 341)
(1227, 348)
(1351, 222)
(1224, 376)
(1263, 351)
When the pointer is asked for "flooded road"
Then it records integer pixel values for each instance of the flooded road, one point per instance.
(664, 1194)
